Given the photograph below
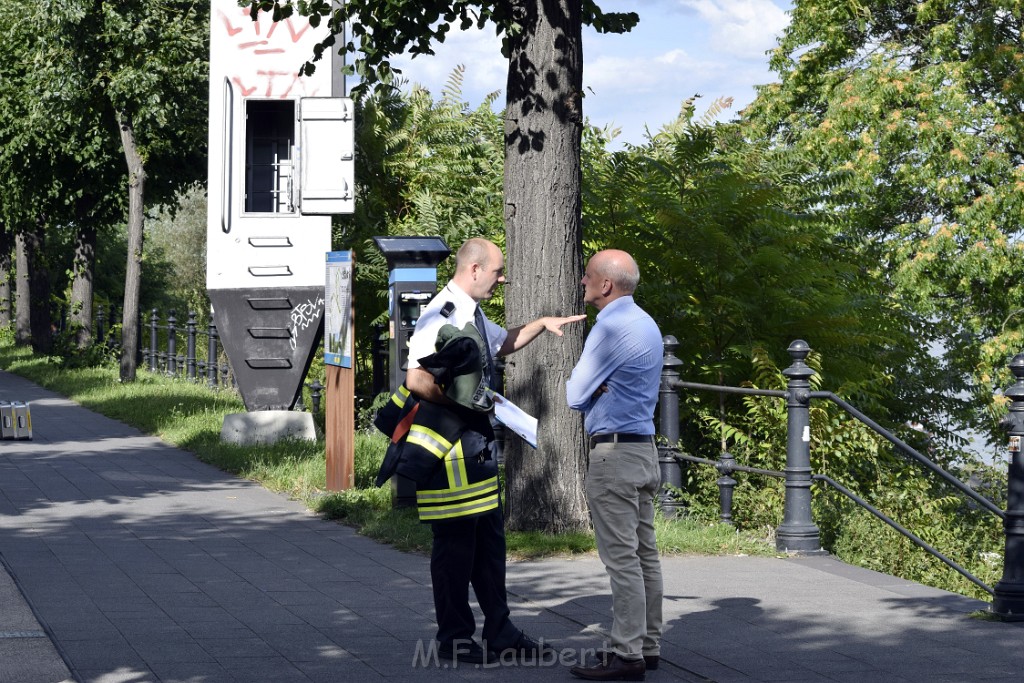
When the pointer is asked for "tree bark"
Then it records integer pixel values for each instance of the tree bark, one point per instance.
(80, 314)
(6, 276)
(133, 271)
(22, 293)
(543, 133)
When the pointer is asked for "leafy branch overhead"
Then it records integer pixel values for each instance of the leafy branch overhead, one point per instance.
(380, 30)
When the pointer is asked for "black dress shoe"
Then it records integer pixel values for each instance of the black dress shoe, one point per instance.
(612, 668)
(650, 661)
(467, 651)
(525, 647)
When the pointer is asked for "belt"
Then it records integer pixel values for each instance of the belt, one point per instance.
(620, 438)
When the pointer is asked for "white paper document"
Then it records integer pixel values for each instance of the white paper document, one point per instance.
(513, 417)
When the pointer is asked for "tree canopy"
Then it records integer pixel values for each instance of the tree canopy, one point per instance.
(920, 102)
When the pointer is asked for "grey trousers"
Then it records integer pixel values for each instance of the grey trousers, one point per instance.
(622, 481)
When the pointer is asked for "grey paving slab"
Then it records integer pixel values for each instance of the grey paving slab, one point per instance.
(125, 559)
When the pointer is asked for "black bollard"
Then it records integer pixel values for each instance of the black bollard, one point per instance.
(798, 533)
(1008, 594)
(190, 348)
(153, 320)
(668, 399)
(726, 486)
(100, 333)
(172, 344)
(315, 391)
(211, 356)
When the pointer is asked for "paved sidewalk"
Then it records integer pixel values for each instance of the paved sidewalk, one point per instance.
(128, 560)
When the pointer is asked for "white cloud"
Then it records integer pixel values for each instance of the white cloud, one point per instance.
(741, 28)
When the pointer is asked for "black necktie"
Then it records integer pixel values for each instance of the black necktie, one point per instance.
(481, 326)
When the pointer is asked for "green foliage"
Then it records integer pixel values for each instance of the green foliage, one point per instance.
(736, 255)
(70, 74)
(176, 236)
(919, 103)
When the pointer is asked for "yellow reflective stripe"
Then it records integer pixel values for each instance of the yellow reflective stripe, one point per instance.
(442, 495)
(459, 510)
(400, 396)
(455, 466)
(428, 439)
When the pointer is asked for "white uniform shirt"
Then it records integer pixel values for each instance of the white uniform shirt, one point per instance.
(430, 321)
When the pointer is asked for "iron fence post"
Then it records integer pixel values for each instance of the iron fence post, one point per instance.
(211, 356)
(172, 344)
(726, 486)
(1008, 593)
(315, 390)
(152, 341)
(190, 349)
(668, 414)
(798, 533)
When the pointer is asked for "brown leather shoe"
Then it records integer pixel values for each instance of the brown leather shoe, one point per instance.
(612, 668)
(650, 661)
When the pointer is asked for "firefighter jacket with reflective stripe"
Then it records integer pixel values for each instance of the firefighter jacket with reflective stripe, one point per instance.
(447, 451)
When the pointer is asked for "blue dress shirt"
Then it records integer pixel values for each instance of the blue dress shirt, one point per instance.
(623, 351)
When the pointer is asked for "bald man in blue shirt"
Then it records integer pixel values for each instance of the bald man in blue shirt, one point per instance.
(615, 384)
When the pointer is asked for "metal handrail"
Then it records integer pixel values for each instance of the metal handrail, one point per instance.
(903, 446)
(906, 532)
(877, 428)
(677, 384)
(914, 538)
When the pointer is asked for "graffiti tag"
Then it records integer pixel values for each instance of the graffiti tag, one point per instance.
(304, 315)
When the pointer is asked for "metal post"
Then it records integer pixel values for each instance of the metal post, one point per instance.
(190, 350)
(172, 344)
(668, 413)
(211, 357)
(152, 341)
(316, 390)
(1008, 594)
(99, 326)
(798, 533)
(726, 486)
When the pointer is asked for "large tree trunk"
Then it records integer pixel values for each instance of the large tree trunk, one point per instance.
(133, 272)
(543, 132)
(80, 314)
(22, 293)
(6, 276)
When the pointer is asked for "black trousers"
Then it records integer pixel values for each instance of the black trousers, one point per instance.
(471, 552)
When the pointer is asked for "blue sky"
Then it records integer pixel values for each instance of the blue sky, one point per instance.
(680, 48)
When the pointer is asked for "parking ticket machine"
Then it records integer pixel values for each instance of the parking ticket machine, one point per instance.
(412, 283)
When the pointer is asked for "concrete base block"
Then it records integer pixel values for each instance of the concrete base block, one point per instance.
(267, 427)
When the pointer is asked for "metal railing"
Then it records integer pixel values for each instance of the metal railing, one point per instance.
(798, 532)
